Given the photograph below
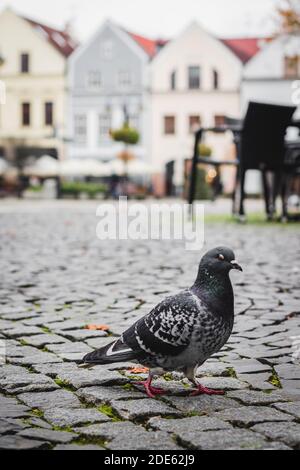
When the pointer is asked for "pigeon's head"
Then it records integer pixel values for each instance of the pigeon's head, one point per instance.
(220, 260)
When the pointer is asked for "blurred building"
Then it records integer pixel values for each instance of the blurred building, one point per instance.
(33, 71)
(272, 76)
(109, 84)
(195, 81)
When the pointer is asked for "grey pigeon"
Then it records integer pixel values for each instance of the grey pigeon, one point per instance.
(184, 330)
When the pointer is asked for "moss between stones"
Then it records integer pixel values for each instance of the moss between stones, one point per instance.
(109, 411)
(274, 379)
(38, 413)
(64, 384)
(46, 330)
(230, 372)
(95, 441)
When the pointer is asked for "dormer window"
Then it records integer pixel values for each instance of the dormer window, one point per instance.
(107, 50)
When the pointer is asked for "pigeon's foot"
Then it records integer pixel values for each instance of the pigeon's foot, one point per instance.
(206, 391)
(150, 390)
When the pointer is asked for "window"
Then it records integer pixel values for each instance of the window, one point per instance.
(25, 63)
(134, 121)
(216, 81)
(107, 50)
(169, 125)
(26, 114)
(173, 80)
(220, 120)
(49, 114)
(104, 126)
(80, 129)
(124, 79)
(194, 123)
(194, 78)
(292, 67)
(94, 79)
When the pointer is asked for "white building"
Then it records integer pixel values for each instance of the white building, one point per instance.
(271, 76)
(195, 80)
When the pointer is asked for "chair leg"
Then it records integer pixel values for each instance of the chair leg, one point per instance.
(242, 178)
(235, 193)
(284, 197)
(266, 193)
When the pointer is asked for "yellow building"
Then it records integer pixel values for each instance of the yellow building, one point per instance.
(34, 87)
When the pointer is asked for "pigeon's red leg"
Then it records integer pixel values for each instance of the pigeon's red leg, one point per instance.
(150, 390)
(206, 391)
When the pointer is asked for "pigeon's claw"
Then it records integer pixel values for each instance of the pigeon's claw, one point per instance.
(206, 391)
(150, 390)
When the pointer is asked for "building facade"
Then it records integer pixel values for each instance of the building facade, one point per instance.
(33, 75)
(272, 75)
(108, 83)
(195, 81)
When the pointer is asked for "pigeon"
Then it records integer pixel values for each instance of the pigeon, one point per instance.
(183, 331)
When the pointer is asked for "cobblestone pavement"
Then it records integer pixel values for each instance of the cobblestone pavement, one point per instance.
(57, 278)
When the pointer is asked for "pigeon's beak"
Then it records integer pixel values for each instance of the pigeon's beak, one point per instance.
(235, 265)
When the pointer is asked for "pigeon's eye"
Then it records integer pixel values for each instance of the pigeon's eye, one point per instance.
(221, 257)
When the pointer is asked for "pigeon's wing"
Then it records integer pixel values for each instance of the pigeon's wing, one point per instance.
(167, 329)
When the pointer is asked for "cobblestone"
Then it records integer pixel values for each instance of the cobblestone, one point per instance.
(59, 279)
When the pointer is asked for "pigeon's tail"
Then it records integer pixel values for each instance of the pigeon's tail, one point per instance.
(113, 352)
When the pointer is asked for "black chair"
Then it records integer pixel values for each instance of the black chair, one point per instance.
(260, 143)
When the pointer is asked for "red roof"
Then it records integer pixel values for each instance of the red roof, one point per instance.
(150, 46)
(244, 48)
(60, 39)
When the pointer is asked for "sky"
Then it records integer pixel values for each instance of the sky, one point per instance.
(155, 18)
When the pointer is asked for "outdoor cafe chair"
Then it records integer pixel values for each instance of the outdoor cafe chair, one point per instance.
(260, 145)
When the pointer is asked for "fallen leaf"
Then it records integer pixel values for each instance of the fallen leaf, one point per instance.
(139, 370)
(97, 327)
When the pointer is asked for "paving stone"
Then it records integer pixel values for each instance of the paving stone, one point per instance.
(202, 403)
(250, 397)
(288, 433)
(80, 378)
(290, 408)
(19, 331)
(79, 335)
(49, 400)
(62, 417)
(99, 395)
(251, 415)
(58, 437)
(9, 426)
(21, 443)
(188, 428)
(14, 380)
(128, 436)
(41, 340)
(223, 383)
(142, 409)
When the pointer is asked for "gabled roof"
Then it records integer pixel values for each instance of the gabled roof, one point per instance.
(150, 46)
(244, 48)
(60, 39)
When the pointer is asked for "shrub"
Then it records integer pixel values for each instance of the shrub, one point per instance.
(126, 134)
(76, 188)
